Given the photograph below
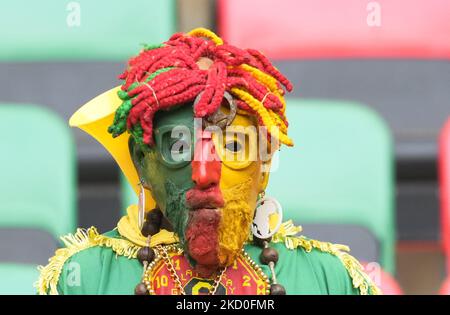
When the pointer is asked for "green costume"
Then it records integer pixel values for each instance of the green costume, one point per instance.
(109, 260)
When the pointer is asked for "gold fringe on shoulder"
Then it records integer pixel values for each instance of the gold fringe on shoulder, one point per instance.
(74, 243)
(360, 279)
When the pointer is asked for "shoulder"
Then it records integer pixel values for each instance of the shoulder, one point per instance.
(332, 264)
(84, 252)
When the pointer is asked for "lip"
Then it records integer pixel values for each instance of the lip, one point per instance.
(204, 199)
(205, 209)
(204, 216)
(208, 216)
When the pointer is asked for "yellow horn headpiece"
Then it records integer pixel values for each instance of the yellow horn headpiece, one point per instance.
(94, 118)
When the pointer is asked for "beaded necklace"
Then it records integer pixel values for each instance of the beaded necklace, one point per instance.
(150, 257)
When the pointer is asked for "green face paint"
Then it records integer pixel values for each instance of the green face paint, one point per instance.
(176, 211)
(166, 167)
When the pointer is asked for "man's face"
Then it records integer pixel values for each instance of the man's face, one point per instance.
(205, 182)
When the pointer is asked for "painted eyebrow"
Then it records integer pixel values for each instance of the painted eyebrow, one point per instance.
(245, 132)
(169, 128)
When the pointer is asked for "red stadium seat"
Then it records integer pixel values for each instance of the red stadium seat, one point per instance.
(445, 289)
(382, 279)
(338, 29)
(444, 179)
(389, 285)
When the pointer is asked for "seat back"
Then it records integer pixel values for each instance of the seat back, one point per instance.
(17, 279)
(83, 29)
(37, 192)
(128, 196)
(38, 182)
(339, 173)
(338, 29)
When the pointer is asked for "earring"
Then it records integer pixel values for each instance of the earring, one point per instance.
(141, 205)
(265, 208)
(262, 230)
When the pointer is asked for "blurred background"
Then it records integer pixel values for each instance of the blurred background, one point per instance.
(368, 113)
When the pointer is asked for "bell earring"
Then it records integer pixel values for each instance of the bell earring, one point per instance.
(265, 208)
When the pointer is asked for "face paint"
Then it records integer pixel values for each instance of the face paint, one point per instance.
(169, 179)
(176, 210)
(236, 219)
(210, 203)
(241, 181)
(204, 201)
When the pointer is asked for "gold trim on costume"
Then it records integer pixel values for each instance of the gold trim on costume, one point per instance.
(84, 239)
(81, 240)
(360, 279)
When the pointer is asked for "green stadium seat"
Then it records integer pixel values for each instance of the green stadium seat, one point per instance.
(105, 30)
(37, 190)
(128, 196)
(339, 175)
(18, 279)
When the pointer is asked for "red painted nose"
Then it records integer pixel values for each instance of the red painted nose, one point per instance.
(206, 166)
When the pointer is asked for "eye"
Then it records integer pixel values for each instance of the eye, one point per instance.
(179, 147)
(233, 146)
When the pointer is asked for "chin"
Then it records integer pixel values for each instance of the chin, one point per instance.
(215, 236)
(202, 240)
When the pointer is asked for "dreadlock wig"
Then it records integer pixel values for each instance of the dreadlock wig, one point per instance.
(163, 76)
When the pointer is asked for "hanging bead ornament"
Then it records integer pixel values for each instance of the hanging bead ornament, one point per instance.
(152, 223)
(146, 255)
(269, 256)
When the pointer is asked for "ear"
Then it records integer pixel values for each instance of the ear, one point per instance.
(137, 156)
(266, 162)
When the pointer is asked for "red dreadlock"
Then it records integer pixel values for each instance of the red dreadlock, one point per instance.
(169, 75)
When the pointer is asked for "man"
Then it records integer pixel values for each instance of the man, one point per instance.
(193, 127)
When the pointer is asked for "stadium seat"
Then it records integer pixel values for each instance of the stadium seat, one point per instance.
(445, 289)
(341, 177)
(388, 284)
(383, 280)
(18, 279)
(324, 29)
(444, 181)
(82, 29)
(37, 191)
(127, 194)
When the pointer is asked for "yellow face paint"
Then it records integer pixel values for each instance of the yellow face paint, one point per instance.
(242, 179)
(240, 157)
